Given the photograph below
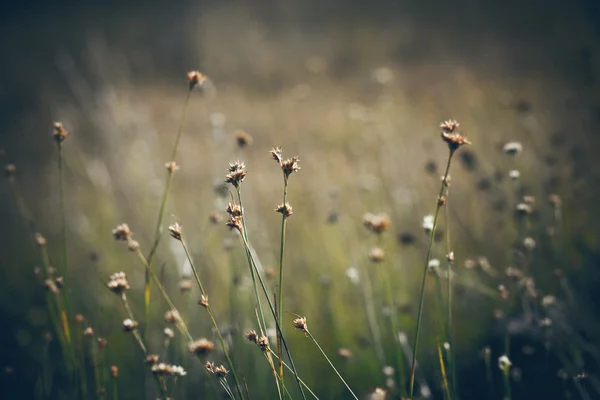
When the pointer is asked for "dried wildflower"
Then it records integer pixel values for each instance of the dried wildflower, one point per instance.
(344, 353)
(201, 346)
(300, 324)
(175, 231)
(554, 200)
(529, 200)
(377, 394)
(114, 371)
(196, 79)
(172, 316)
(243, 138)
(376, 223)
(529, 243)
(59, 132)
(523, 209)
(172, 166)
(221, 371)
(185, 285)
(235, 223)
(101, 343)
(178, 370)
(263, 343)
(236, 173)
(290, 165)
(234, 210)
(215, 218)
(434, 266)
(428, 223)
(450, 257)
(548, 300)
(169, 334)
(129, 325)
(51, 286)
(504, 363)
(203, 301)
(89, 332)
(376, 255)
(252, 336)
(284, 209)
(133, 245)
(118, 283)
(59, 281)
(40, 240)
(151, 359)
(503, 291)
(512, 148)
(9, 170)
(122, 232)
(442, 200)
(451, 136)
(78, 318)
(210, 367)
(514, 174)
(276, 154)
(270, 273)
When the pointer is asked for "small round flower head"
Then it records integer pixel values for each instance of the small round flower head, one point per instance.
(114, 371)
(236, 173)
(514, 174)
(175, 231)
(529, 243)
(151, 359)
(169, 334)
(203, 301)
(252, 336)
(376, 255)
(51, 286)
(451, 136)
(59, 281)
(221, 371)
(234, 210)
(554, 200)
(9, 170)
(172, 316)
(122, 232)
(300, 324)
(118, 283)
(235, 223)
(89, 332)
(78, 318)
(243, 138)
(172, 166)
(290, 165)
(129, 325)
(133, 245)
(284, 209)
(196, 79)
(428, 223)
(59, 132)
(344, 353)
(210, 366)
(101, 343)
(523, 209)
(376, 223)
(512, 148)
(178, 370)
(263, 343)
(185, 285)
(201, 346)
(276, 154)
(504, 363)
(39, 239)
(434, 266)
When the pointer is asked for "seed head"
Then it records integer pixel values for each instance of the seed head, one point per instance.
(114, 371)
(300, 324)
(428, 223)
(89, 332)
(276, 154)
(235, 223)
(290, 165)
(221, 371)
(196, 79)
(236, 173)
(40, 240)
(101, 343)
(175, 231)
(263, 343)
(451, 136)
(284, 209)
(252, 336)
(234, 210)
(59, 132)
(169, 334)
(504, 363)
(512, 148)
(376, 223)
(133, 245)
(122, 232)
(78, 318)
(344, 353)
(203, 301)
(118, 283)
(151, 359)
(243, 138)
(129, 325)
(172, 316)
(51, 286)
(185, 285)
(210, 367)
(201, 347)
(172, 166)
(376, 255)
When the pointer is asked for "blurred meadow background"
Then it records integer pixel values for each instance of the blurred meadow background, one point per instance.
(357, 90)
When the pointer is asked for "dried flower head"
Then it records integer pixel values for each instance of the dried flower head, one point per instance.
(163, 369)
(169, 334)
(172, 316)
(210, 366)
(118, 283)
(185, 285)
(196, 79)
(234, 210)
(344, 353)
(514, 174)
(129, 325)
(504, 363)
(523, 209)
(428, 223)
(175, 231)
(51, 286)
(284, 209)
(290, 165)
(512, 148)
(252, 336)
(133, 245)
(263, 343)
(151, 359)
(235, 223)
(201, 346)
(451, 136)
(114, 371)
(236, 173)
(172, 166)
(276, 154)
(376, 223)
(243, 138)
(101, 343)
(122, 232)
(376, 255)
(9, 170)
(59, 281)
(203, 301)
(39, 239)
(78, 318)
(59, 132)
(300, 324)
(89, 332)
(221, 371)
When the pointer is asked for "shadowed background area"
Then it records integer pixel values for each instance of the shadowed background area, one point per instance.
(357, 89)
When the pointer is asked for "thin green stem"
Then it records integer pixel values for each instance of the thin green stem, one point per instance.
(424, 279)
(212, 318)
(450, 259)
(61, 191)
(301, 381)
(281, 252)
(331, 364)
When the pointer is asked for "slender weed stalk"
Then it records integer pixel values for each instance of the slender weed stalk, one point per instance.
(454, 140)
(450, 262)
(300, 324)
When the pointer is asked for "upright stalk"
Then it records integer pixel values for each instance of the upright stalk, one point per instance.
(439, 204)
(281, 250)
(450, 260)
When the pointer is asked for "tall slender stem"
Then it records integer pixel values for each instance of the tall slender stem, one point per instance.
(424, 279)
(450, 260)
(281, 250)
